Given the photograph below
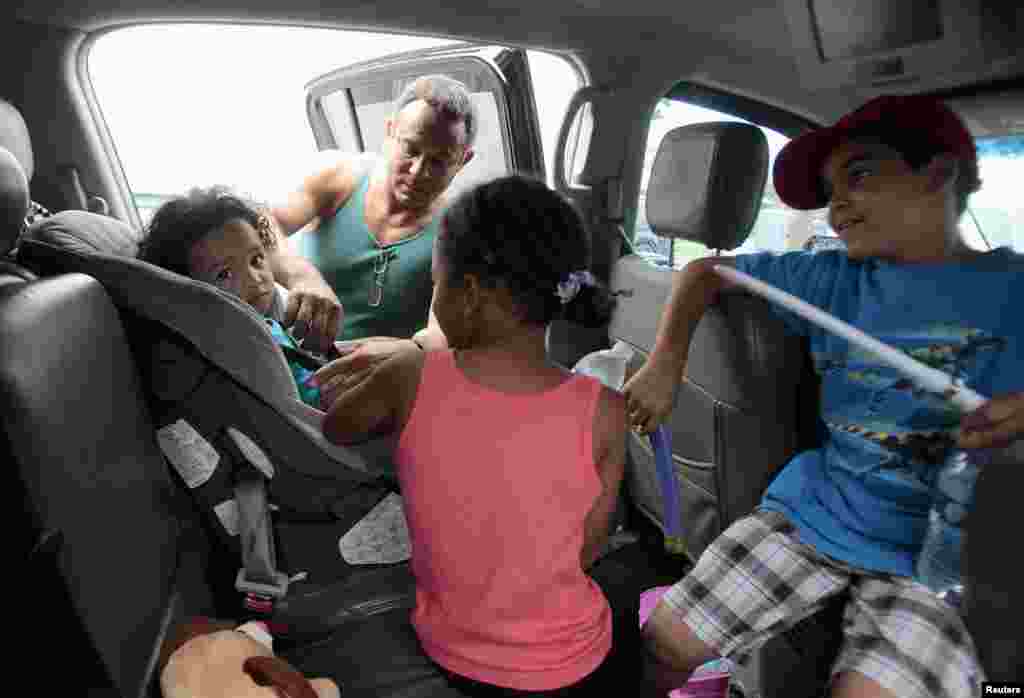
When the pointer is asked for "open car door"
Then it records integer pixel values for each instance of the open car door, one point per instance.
(347, 108)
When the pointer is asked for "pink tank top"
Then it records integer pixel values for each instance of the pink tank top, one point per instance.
(496, 490)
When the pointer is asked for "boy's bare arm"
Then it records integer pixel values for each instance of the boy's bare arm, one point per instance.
(651, 392)
(694, 288)
(609, 434)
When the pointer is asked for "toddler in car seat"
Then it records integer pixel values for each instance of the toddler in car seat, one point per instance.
(214, 236)
(510, 466)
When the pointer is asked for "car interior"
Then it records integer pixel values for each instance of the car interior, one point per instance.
(112, 549)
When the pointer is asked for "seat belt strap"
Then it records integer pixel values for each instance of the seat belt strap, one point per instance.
(259, 578)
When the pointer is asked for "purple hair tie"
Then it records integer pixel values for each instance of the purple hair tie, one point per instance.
(572, 284)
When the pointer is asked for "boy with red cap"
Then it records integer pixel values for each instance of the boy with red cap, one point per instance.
(852, 514)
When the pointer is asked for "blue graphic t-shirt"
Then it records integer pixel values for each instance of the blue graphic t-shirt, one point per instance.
(864, 497)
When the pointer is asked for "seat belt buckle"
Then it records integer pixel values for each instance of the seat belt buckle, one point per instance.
(260, 597)
(261, 605)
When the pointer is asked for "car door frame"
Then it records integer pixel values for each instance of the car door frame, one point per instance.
(507, 73)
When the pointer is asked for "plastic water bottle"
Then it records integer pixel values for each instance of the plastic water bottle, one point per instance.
(938, 563)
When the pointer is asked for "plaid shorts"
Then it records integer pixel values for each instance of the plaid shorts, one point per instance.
(757, 580)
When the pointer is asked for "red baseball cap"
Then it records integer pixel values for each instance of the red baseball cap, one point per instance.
(797, 170)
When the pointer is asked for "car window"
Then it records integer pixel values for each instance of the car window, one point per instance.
(777, 227)
(230, 110)
(995, 214)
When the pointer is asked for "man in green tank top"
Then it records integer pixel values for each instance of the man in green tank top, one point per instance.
(364, 267)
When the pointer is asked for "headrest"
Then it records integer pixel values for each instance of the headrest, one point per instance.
(82, 231)
(13, 201)
(706, 183)
(14, 136)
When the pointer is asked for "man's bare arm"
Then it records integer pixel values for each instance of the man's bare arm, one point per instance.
(332, 181)
(289, 267)
(323, 190)
(313, 311)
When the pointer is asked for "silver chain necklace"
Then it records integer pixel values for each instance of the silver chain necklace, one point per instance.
(380, 269)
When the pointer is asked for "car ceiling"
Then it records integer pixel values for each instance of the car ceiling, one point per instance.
(741, 45)
(556, 23)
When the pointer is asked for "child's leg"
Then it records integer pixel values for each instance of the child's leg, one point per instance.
(753, 582)
(902, 640)
(674, 651)
(853, 684)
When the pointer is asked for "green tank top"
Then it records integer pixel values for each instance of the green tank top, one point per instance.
(384, 289)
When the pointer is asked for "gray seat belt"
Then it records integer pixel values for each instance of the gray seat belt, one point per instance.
(259, 578)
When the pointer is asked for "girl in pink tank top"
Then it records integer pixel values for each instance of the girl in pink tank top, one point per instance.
(510, 466)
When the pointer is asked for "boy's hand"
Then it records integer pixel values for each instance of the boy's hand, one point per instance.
(651, 394)
(996, 424)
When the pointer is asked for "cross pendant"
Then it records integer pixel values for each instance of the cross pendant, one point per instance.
(376, 292)
(380, 268)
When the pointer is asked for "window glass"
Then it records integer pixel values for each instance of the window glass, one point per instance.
(555, 81)
(995, 214)
(197, 105)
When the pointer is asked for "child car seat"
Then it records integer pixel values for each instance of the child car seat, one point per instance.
(230, 420)
(107, 548)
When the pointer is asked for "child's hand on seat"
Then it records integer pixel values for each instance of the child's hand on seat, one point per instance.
(650, 395)
(996, 424)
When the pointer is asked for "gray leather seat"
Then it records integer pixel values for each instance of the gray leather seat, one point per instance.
(740, 413)
(13, 204)
(994, 585)
(748, 400)
(98, 539)
(101, 505)
(108, 551)
(14, 136)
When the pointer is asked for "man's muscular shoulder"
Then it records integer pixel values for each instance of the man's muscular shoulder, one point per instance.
(335, 179)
